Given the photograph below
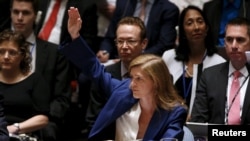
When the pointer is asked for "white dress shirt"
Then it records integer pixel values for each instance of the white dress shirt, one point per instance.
(56, 31)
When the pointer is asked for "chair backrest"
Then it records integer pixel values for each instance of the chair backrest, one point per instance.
(188, 135)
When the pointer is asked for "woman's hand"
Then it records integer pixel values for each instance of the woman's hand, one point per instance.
(74, 22)
(12, 129)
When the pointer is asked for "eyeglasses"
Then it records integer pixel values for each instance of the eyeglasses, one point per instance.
(239, 40)
(11, 53)
(120, 43)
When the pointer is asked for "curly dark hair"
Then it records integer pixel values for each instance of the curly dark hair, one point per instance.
(19, 39)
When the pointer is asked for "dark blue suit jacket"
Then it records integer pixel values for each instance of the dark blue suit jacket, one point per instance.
(163, 123)
(160, 28)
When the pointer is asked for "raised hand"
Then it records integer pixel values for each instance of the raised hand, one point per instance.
(74, 22)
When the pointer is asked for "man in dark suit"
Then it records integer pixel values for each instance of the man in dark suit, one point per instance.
(161, 20)
(219, 12)
(47, 60)
(87, 9)
(213, 102)
(129, 29)
(214, 12)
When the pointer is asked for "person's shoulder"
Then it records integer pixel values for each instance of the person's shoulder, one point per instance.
(46, 44)
(167, 3)
(215, 68)
(33, 78)
(168, 54)
(215, 59)
(34, 75)
(211, 3)
(47, 47)
(218, 57)
(180, 109)
(112, 66)
(177, 108)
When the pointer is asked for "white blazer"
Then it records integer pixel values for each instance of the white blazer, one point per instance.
(176, 69)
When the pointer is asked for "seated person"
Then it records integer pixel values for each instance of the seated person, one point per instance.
(194, 53)
(222, 95)
(160, 18)
(129, 30)
(145, 106)
(26, 94)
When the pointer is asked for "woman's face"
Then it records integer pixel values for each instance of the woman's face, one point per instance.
(194, 26)
(141, 85)
(10, 56)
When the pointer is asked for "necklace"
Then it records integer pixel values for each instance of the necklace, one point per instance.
(188, 73)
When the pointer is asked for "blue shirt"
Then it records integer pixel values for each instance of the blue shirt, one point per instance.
(230, 10)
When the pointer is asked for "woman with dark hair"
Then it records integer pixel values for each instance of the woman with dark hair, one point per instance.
(195, 52)
(26, 94)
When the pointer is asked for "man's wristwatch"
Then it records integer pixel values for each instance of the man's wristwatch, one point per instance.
(17, 126)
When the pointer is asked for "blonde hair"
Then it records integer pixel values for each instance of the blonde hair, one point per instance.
(153, 66)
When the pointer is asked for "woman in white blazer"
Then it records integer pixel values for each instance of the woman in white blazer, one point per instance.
(195, 52)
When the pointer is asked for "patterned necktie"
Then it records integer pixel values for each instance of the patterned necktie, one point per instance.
(234, 101)
(45, 32)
